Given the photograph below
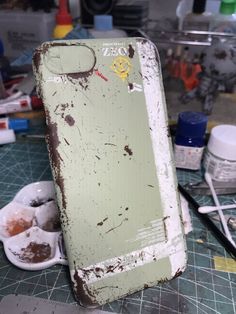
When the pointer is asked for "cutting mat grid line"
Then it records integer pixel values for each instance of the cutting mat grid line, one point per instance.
(201, 289)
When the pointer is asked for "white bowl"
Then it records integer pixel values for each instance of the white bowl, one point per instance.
(30, 228)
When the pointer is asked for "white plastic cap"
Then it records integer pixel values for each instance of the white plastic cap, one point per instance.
(222, 142)
(7, 136)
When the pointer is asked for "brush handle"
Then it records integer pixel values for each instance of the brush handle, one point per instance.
(210, 209)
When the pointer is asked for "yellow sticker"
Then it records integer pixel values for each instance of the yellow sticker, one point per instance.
(121, 66)
(225, 264)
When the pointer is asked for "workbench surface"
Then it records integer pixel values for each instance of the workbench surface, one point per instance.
(200, 289)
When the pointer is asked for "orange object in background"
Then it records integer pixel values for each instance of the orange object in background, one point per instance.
(63, 21)
(180, 66)
(189, 74)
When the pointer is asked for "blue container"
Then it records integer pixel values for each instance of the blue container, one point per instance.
(189, 140)
(191, 129)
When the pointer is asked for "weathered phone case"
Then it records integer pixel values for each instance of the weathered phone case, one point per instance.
(112, 164)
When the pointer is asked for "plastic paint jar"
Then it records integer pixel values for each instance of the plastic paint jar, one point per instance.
(189, 140)
(220, 157)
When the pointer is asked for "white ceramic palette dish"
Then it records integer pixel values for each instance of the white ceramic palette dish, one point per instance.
(30, 228)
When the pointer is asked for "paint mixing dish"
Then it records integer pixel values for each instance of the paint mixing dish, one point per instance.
(30, 228)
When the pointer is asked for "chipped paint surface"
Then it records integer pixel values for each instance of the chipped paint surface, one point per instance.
(162, 148)
(126, 263)
(112, 165)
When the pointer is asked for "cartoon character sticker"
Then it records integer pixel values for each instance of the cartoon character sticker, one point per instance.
(121, 66)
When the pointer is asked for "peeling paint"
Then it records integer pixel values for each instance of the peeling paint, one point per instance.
(131, 51)
(112, 267)
(53, 143)
(69, 120)
(86, 298)
(66, 141)
(178, 273)
(112, 229)
(128, 150)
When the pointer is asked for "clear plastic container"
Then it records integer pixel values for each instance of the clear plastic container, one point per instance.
(22, 30)
(103, 28)
(199, 19)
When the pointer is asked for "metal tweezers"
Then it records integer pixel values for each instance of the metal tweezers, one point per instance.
(208, 222)
(202, 188)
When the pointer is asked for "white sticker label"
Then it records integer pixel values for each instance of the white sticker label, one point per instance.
(188, 157)
(219, 169)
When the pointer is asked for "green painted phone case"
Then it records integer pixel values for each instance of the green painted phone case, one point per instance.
(112, 164)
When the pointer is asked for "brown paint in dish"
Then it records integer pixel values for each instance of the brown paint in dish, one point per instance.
(16, 226)
(35, 252)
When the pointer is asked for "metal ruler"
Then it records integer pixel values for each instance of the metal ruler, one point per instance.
(21, 304)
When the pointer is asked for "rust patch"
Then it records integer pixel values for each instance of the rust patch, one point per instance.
(66, 141)
(128, 150)
(131, 86)
(61, 109)
(142, 40)
(37, 59)
(82, 77)
(165, 229)
(177, 274)
(101, 222)
(131, 51)
(126, 219)
(69, 120)
(161, 281)
(145, 286)
(181, 219)
(166, 217)
(220, 54)
(52, 144)
(85, 297)
(110, 144)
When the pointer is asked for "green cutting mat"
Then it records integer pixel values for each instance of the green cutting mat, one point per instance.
(200, 289)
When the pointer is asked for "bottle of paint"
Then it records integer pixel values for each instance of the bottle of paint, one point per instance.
(220, 156)
(198, 19)
(63, 21)
(189, 140)
(103, 28)
(225, 20)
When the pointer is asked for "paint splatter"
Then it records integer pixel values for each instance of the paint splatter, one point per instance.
(128, 150)
(70, 120)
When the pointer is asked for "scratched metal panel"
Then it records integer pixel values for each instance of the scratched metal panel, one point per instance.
(112, 164)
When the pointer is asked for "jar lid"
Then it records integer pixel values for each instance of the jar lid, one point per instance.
(103, 22)
(199, 6)
(222, 142)
(192, 124)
